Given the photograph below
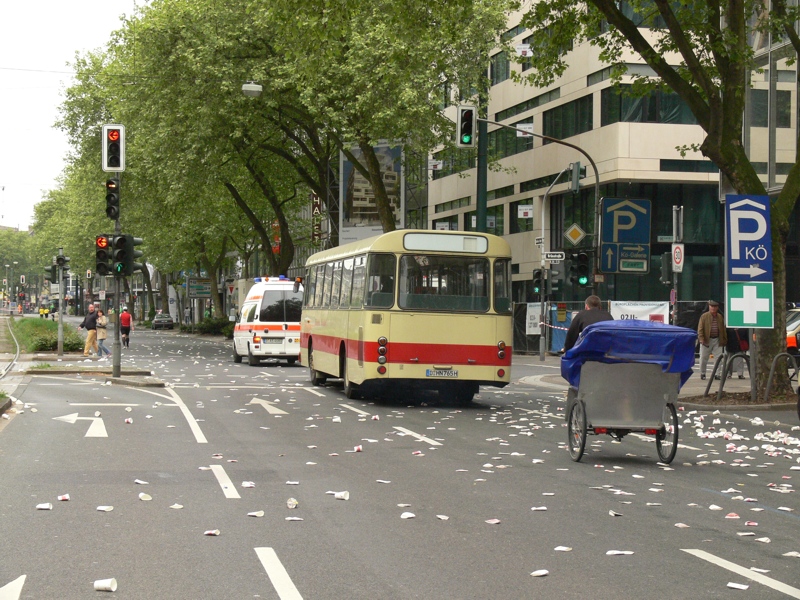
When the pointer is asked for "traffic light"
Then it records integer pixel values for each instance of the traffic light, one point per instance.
(466, 126)
(118, 255)
(22, 279)
(666, 268)
(113, 148)
(131, 254)
(578, 173)
(583, 269)
(63, 262)
(102, 255)
(538, 283)
(88, 273)
(572, 267)
(112, 198)
(51, 273)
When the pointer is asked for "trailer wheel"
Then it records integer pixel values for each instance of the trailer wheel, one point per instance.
(576, 430)
(667, 436)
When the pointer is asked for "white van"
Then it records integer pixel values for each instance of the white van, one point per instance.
(268, 324)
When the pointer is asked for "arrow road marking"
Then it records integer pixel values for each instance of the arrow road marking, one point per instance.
(745, 572)
(268, 406)
(752, 271)
(96, 429)
(277, 574)
(13, 590)
(225, 482)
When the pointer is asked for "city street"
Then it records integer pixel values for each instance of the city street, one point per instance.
(444, 501)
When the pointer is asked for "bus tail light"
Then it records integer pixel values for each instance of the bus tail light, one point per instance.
(501, 349)
(381, 360)
(501, 372)
(382, 350)
(382, 370)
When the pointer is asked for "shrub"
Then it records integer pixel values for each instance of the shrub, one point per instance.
(41, 335)
(213, 326)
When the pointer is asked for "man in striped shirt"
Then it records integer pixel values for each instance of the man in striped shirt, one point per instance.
(711, 334)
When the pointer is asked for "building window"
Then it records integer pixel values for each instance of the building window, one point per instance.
(539, 100)
(568, 119)
(499, 68)
(454, 160)
(446, 223)
(617, 105)
(689, 166)
(494, 220)
(515, 223)
(498, 193)
(759, 108)
(504, 142)
(452, 204)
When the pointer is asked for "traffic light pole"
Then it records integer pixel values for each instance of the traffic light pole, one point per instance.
(60, 306)
(116, 360)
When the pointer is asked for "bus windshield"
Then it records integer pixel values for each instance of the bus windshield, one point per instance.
(447, 283)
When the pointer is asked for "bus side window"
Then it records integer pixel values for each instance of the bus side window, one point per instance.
(502, 286)
(320, 285)
(359, 281)
(380, 291)
(347, 282)
(310, 286)
(337, 284)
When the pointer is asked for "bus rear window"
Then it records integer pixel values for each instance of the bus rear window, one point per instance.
(281, 306)
(445, 283)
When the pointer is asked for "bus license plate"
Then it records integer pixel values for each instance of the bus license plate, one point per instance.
(441, 373)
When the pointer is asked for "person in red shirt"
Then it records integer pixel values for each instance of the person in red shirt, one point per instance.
(125, 327)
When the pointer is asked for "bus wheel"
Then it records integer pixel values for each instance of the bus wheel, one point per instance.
(253, 361)
(463, 393)
(317, 378)
(350, 389)
(237, 358)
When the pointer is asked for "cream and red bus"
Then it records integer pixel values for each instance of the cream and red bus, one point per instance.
(415, 309)
(268, 325)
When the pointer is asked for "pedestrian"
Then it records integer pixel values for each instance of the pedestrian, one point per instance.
(593, 312)
(125, 326)
(711, 334)
(90, 324)
(737, 344)
(187, 316)
(102, 334)
(41, 312)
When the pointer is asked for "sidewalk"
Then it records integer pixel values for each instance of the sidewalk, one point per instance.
(693, 389)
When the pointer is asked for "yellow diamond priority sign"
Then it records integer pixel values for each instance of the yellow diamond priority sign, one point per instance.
(575, 234)
(750, 304)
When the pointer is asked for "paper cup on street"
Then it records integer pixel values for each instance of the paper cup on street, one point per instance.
(358, 448)
(44, 506)
(63, 498)
(106, 585)
(129, 421)
(342, 495)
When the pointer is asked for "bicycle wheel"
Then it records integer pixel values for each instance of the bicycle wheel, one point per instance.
(667, 436)
(576, 430)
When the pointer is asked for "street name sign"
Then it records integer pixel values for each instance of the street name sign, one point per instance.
(554, 256)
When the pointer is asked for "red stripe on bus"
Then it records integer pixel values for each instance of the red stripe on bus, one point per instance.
(415, 353)
(254, 327)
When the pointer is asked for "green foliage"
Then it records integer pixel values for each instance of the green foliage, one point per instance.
(216, 326)
(41, 335)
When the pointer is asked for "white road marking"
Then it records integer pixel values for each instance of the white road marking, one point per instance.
(745, 572)
(13, 590)
(537, 380)
(356, 410)
(313, 391)
(650, 438)
(198, 433)
(224, 482)
(96, 429)
(267, 374)
(277, 574)
(122, 404)
(420, 437)
(268, 406)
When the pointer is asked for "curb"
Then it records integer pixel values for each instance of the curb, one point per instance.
(136, 382)
(737, 407)
(86, 371)
(5, 405)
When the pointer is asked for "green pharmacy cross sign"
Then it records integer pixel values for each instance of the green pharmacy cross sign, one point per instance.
(750, 304)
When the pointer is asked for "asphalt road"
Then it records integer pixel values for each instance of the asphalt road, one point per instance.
(218, 425)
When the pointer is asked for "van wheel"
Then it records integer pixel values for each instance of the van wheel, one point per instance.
(316, 377)
(350, 388)
(237, 358)
(253, 361)
(291, 361)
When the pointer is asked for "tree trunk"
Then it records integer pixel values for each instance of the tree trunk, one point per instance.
(385, 213)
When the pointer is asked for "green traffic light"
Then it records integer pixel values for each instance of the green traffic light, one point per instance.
(119, 268)
(466, 139)
(583, 280)
(536, 289)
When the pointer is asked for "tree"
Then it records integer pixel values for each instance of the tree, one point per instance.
(702, 52)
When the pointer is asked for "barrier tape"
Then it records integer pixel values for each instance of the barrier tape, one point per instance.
(556, 327)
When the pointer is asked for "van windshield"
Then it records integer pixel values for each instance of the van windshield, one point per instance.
(281, 306)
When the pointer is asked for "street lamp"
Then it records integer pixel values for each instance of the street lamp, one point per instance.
(251, 88)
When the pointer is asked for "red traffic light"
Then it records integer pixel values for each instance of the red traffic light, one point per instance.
(113, 135)
(102, 241)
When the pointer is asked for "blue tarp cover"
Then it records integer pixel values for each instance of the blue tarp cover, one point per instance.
(632, 341)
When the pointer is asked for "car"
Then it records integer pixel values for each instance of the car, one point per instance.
(162, 322)
(792, 331)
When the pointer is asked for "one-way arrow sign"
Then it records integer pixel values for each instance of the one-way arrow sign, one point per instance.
(96, 429)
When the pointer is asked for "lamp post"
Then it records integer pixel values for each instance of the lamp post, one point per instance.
(13, 287)
(7, 282)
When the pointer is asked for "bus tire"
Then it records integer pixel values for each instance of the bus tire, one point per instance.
(253, 361)
(316, 377)
(464, 393)
(350, 388)
(237, 358)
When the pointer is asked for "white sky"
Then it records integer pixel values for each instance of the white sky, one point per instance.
(37, 39)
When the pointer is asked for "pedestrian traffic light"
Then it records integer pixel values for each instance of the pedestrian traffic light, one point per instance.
(131, 254)
(22, 279)
(63, 262)
(118, 255)
(572, 267)
(102, 254)
(538, 283)
(112, 198)
(113, 148)
(466, 125)
(583, 269)
(51, 273)
(666, 268)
